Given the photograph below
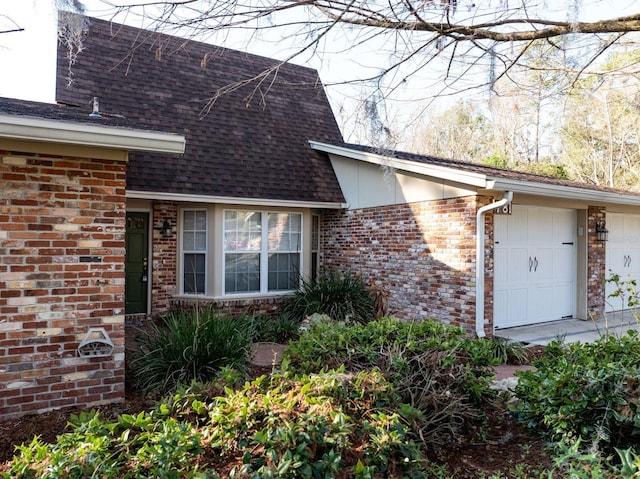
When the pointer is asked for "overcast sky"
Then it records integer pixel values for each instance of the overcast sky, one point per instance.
(27, 58)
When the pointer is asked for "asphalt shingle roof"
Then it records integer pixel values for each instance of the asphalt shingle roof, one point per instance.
(246, 146)
(489, 171)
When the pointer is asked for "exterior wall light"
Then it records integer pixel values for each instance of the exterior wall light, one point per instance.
(602, 233)
(166, 228)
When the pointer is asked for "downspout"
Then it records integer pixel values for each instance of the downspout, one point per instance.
(508, 196)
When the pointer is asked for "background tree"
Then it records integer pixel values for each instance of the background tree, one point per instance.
(601, 131)
(460, 133)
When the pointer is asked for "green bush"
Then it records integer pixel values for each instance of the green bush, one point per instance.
(586, 392)
(189, 345)
(494, 351)
(427, 362)
(279, 329)
(132, 446)
(319, 426)
(341, 297)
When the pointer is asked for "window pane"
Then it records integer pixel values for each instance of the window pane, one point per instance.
(315, 233)
(201, 220)
(242, 272)
(200, 241)
(189, 220)
(189, 240)
(284, 231)
(194, 273)
(242, 231)
(284, 270)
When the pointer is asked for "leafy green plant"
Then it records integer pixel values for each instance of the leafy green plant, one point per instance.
(339, 296)
(279, 329)
(505, 351)
(587, 392)
(191, 345)
(140, 445)
(426, 361)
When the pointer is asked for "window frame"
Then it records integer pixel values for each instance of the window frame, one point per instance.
(264, 251)
(184, 251)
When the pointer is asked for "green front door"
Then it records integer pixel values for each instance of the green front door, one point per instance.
(136, 262)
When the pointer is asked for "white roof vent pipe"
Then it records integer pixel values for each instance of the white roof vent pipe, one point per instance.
(508, 197)
(95, 108)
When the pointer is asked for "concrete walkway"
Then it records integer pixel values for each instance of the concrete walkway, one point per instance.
(573, 330)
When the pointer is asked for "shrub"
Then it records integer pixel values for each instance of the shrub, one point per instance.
(426, 361)
(341, 297)
(191, 345)
(319, 426)
(279, 329)
(494, 351)
(586, 392)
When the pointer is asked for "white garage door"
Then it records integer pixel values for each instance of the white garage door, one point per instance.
(623, 255)
(535, 266)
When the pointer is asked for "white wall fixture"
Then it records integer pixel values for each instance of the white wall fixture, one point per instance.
(96, 344)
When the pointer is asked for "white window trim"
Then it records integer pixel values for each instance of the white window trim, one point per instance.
(183, 251)
(264, 254)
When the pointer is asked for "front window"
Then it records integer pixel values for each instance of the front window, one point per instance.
(261, 251)
(194, 250)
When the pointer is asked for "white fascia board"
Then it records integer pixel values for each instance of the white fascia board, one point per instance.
(71, 133)
(483, 181)
(227, 200)
(436, 171)
(565, 192)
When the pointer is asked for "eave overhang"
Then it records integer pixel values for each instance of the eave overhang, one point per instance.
(230, 200)
(436, 171)
(483, 181)
(82, 134)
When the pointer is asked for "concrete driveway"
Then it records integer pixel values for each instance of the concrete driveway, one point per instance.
(574, 330)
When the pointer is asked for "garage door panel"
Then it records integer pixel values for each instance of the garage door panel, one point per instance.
(535, 265)
(542, 264)
(562, 300)
(517, 265)
(540, 225)
(511, 306)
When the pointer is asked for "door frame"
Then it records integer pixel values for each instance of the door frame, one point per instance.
(149, 212)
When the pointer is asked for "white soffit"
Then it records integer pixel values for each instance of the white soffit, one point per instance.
(483, 181)
(71, 133)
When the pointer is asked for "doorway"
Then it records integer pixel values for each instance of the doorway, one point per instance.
(136, 263)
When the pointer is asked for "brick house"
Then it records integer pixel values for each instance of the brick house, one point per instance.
(267, 190)
(62, 229)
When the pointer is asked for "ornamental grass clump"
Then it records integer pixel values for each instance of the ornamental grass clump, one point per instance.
(189, 345)
(342, 297)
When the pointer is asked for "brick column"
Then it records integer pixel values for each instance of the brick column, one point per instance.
(164, 257)
(596, 263)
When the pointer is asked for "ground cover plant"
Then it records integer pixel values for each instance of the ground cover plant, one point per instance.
(332, 424)
(361, 403)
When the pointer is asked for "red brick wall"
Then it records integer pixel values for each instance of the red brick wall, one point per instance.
(596, 266)
(164, 257)
(54, 213)
(422, 255)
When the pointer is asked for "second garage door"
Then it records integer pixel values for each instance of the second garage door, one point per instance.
(535, 265)
(623, 255)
